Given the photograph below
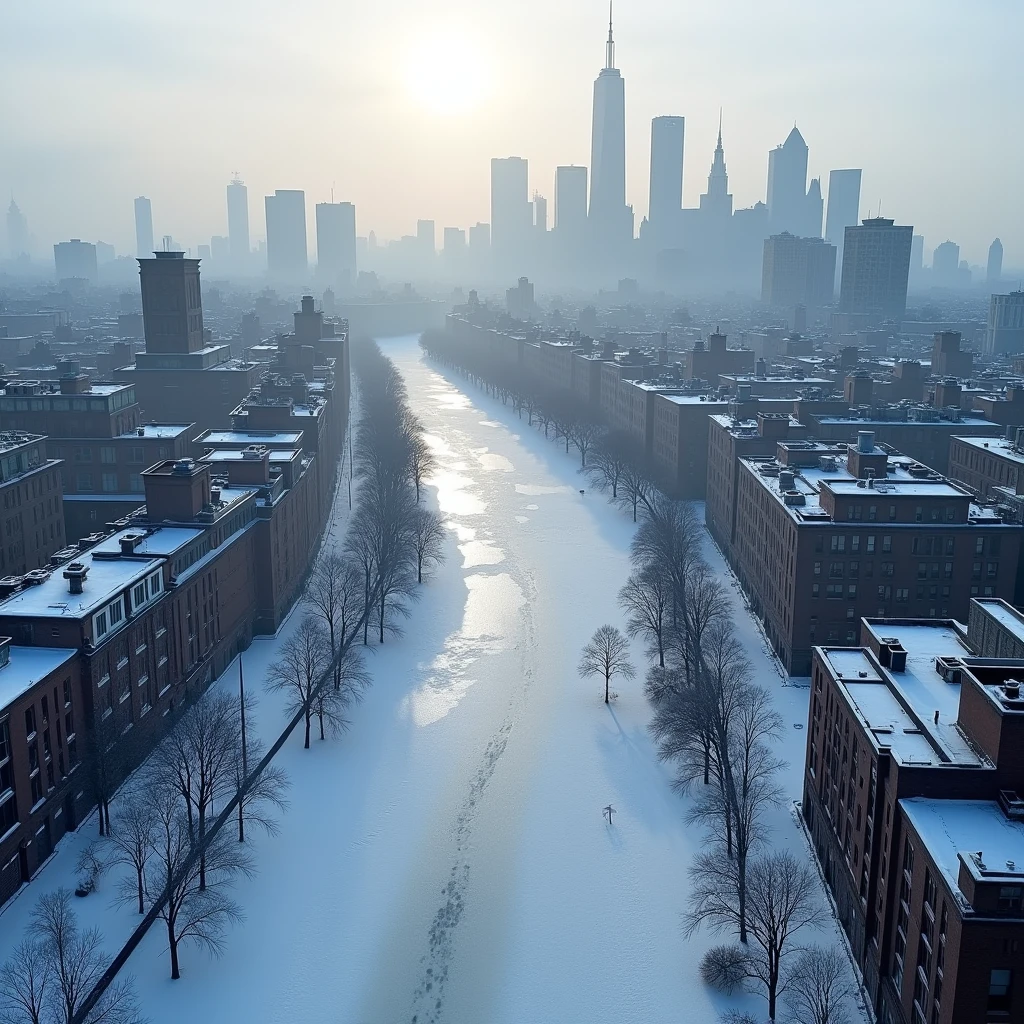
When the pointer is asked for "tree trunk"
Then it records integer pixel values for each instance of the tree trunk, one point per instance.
(172, 942)
(241, 820)
(382, 602)
(607, 682)
(741, 871)
(306, 744)
(419, 567)
(202, 856)
(320, 716)
(139, 876)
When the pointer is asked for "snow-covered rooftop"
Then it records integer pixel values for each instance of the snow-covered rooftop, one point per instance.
(954, 828)
(157, 430)
(27, 666)
(287, 438)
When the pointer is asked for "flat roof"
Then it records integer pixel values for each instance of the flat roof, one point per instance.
(749, 378)
(1005, 614)
(29, 665)
(239, 455)
(1001, 446)
(899, 708)
(162, 542)
(916, 488)
(160, 430)
(949, 828)
(964, 421)
(214, 438)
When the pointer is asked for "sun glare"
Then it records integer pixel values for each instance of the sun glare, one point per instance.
(448, 75)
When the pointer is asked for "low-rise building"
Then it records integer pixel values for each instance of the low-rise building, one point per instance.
(986, 463)
(823, 538)
(32, 513)
(911, 795)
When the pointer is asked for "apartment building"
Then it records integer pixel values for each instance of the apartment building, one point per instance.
(32, 513)
(912, 786)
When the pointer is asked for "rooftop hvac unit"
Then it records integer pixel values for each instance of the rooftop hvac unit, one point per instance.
(794, 498)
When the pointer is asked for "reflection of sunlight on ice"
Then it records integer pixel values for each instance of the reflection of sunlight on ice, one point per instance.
(495, 463)
(489, 423)
(533, 489)
(531, 508)
(451, 399)
(490, 609)
(452, 498)
(476, 552)
(522, 519)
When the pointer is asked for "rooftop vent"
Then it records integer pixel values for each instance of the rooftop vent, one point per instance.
(129, 542)
(36, 577)
(75, 574)
(794, 498)
(9, 584)
(184, 466)
(141, 431)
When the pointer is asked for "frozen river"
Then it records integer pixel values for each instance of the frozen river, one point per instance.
(447, 860)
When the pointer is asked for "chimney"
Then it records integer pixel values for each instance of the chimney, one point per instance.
(865, 441)
(128, 542)
(307, 303)
(75, 574)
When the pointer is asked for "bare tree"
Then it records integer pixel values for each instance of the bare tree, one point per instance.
(304, 659)
(428, 538)
(607, 655)
(131, 841)
(634, 489)
(257, 797)
(584, 434)
(103, 764)
(421, 458)
(327, 591)
(646, 598)
(193, 910)
(819, 987)
(330, 705)
(782, 899)
(74, 962)
(24, 984)
(198, 758)
(610, 462)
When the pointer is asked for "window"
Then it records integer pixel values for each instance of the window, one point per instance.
(1000, 983)
(30, 721)
(991, 568)
(136, 455)
(872, 511)
(838, 543)
(84, 481)
(814, 590)
(1010, 898)
(80, 454)
(902, 594)
(871, 545)
(109, 481)
(135, 484)
(835, 569)
(107, 455)
(99, 625)
(887, 544)
(817, 568)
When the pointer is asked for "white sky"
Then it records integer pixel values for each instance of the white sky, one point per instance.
(401, 105)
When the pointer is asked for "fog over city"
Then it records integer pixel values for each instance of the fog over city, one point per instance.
(399, 106)
(511, 513)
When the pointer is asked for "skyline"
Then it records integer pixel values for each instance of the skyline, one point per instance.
(431, 164)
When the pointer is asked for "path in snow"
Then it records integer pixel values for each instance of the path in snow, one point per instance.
(447, 861)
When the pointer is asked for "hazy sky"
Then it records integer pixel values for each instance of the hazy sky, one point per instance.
(400, 105)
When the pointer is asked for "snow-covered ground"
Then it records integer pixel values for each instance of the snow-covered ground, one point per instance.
(447, 860)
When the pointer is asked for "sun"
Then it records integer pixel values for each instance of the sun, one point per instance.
(448, 74)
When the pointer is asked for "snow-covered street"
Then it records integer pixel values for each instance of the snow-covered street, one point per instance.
(447, 859)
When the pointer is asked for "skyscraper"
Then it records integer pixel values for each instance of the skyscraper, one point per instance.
(717, 202)
(143, 228)
(425, 237)
(666, 199)
(17, 232)
(540, 213)
(945, 264)
(480, 239)
(511, 216)
(286, 232)
(843, 208)
(1005, 331)
(787, 184)
(571, 201)
(336, 241)
(814, 208)
(610, 219)
(797, 271)
(876, 267)
(917, 255)
(238, 222)
(75, 260)
(994, 273)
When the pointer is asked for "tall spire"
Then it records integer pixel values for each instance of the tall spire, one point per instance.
(719, 146)
(609, 47)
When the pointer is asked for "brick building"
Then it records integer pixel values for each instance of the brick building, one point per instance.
(822, 539)
(911, 795)
(32, 513)
(709, 360)
(983, 464)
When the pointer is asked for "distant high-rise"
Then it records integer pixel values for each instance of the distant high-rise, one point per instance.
(511, 216)
(172, 304)
(454, 241)
(480, 239)
(571, 201)
(220, 250)
(813, 210)
(666, 198)
(540, 213)
(717, 201)
(238, 222)
(610, 218)
(143, 228)
(336, 241)
(787, 184)
(945, 264)
(843, 209)
(994, 272)
(917, 254)
(425, 237)
(876, 268)
(286, 232)
(797, 271)
(75, 260)
(1005, 331)
(17, 232)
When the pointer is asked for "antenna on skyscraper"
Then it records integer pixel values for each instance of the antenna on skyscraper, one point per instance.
(609, 50)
